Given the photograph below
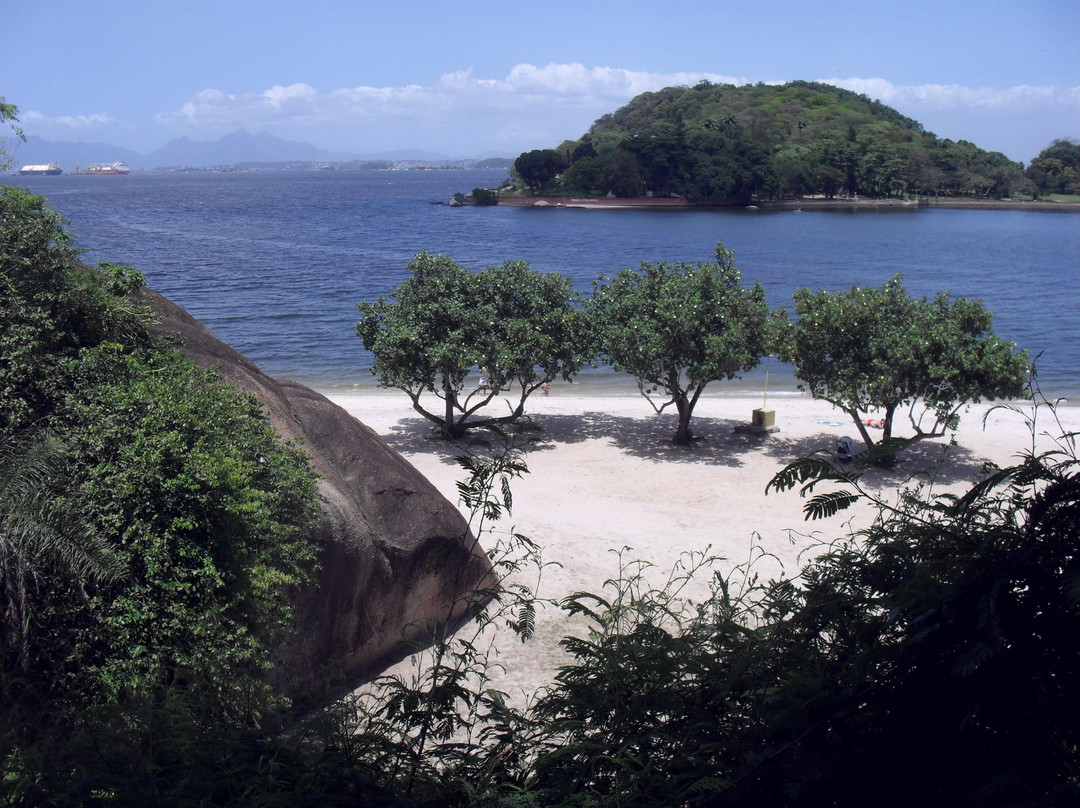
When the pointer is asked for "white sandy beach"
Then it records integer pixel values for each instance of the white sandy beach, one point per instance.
(609, 478)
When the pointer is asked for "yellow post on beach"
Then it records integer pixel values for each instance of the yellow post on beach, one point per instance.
(762, 420)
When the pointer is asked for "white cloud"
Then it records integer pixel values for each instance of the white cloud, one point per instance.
(557, 85)
(567, 80)
(950, 96)
(74, 123)
(561, 84)
(278, 96)
(535, 106)
(1019, 121)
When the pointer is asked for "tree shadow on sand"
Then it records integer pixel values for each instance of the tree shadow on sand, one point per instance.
(946, 463)
(716, 443)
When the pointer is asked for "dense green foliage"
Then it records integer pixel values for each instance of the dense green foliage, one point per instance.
(517, 327)
(41, 538)
(927, 659)
(1057, 169)
(150, 527)
(872, 348)
(677, 327)
(538, 167)
(484, 196)
(711, 143)
(9, 116)
(166, 525)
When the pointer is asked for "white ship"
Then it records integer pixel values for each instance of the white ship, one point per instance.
(49, 168)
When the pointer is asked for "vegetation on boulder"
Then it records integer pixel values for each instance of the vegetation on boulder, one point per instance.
(171, 525)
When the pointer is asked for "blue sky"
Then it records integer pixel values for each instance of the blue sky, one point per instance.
(465, 78)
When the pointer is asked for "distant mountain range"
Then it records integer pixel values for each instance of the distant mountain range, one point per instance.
(238, 147)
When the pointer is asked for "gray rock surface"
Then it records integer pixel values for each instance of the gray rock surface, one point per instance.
(396, 554)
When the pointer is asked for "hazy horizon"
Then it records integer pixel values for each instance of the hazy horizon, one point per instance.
(471, 78)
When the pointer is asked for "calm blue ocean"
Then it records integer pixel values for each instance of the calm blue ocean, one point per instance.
(274, 262)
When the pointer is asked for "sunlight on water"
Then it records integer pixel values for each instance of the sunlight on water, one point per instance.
(274, 262)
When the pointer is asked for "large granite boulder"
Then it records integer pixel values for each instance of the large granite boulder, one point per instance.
(396, 554)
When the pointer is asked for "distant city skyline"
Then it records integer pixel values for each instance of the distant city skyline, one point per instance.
(470, 78)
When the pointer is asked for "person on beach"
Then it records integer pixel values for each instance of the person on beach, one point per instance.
(876, 423)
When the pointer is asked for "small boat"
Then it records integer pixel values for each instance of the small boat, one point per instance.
(51, 169)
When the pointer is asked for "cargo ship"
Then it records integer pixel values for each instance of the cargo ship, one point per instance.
(50, 168)
(111, 168)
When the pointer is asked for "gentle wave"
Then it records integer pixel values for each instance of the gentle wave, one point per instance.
(274, 262)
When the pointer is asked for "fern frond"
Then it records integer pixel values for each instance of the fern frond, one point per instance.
(525, 624)
(825, 505)
(806, 469)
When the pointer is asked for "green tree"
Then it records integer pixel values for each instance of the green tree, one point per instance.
(619, 172)
(583, 176)
(791, 171)
(42, 536)
(1057, 168)
(484, 196)
(936, 615)
(206, 511)
(539, 167)
(536, 330)
(879, 348)
(64, 322)
(9, 114)
(211, 514)
(677, 327)
(518, 327)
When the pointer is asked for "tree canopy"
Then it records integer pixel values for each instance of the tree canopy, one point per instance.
(516, 327)
(176, 520)
(717, 142)
(1057, 168)
(879, 348)
(677, 327)
(9, 116)
(538, 167)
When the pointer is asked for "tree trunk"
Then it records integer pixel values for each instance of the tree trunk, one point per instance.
(450, 428)
(889, 411)
(683, 435)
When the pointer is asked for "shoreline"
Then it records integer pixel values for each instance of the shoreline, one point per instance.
(608, 478)
(648, 203)
(781, 385)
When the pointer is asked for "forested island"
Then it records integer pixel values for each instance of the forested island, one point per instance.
(722, 144)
